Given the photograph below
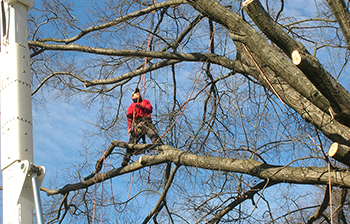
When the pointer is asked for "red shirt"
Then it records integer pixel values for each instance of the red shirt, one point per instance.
(135, 113)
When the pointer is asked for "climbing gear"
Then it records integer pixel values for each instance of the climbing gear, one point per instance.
(139, 130)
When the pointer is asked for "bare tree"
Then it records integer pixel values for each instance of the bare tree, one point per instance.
(249, 98)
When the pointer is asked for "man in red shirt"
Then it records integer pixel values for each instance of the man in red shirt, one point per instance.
(139, 123)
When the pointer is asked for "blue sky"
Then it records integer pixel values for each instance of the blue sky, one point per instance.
(57, 133)
(58, 128)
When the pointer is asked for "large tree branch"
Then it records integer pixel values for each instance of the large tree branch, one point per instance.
(334, 130)
(171, 59)
(123, 53)
(242, 32)
(341, 13)
(336, 94)
(310, 112)
(343, 196)
(289, 82)
(276, 174)
(199, 57)
(340, 153)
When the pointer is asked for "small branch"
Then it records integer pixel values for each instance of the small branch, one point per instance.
(322, 207)
(241, 198)
(341, 215)
(137, 148)
(132, 74)
(171, 3)
(55, 74)
(165, 191)
(63, 203)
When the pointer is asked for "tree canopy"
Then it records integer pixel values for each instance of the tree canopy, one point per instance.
(248, 97)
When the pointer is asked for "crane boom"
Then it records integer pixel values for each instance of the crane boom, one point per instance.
(21, 178)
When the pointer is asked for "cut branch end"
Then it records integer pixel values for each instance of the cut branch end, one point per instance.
(333, 149)
(245, 3)
(296, 57)
(340, 153)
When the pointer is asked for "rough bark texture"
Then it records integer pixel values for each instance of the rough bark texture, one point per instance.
(336, 94)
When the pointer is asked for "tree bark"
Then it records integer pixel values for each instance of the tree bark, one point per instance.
(340, 153)
(334, 130)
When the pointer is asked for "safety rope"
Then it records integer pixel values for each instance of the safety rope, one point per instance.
(330, 191)
(150, 37)
(102, 181)
(95, 194)
(94, 207)
(102, 194)
(335, 75)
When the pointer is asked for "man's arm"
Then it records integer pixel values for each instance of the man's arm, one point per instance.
(129, 125)
(146, 106)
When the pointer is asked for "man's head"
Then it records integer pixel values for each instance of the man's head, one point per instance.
(135, 96)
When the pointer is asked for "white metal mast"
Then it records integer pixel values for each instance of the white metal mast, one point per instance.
(21, 179)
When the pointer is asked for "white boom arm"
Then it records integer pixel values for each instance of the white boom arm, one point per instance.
(21, 179)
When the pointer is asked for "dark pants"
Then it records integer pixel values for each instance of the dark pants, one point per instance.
(142, 127)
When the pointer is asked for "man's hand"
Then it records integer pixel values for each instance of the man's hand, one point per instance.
(129, 130)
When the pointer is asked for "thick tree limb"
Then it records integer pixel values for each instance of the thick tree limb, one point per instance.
(340, 153)
(124, 53)
(336, 94)
(136, 147)
(276, 174)
(308, 111)
(171, 59)
(341, 13)
(277, 68)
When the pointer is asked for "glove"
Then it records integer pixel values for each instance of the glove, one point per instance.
(139, 106)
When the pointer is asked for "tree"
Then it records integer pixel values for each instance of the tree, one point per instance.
(249, 99)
